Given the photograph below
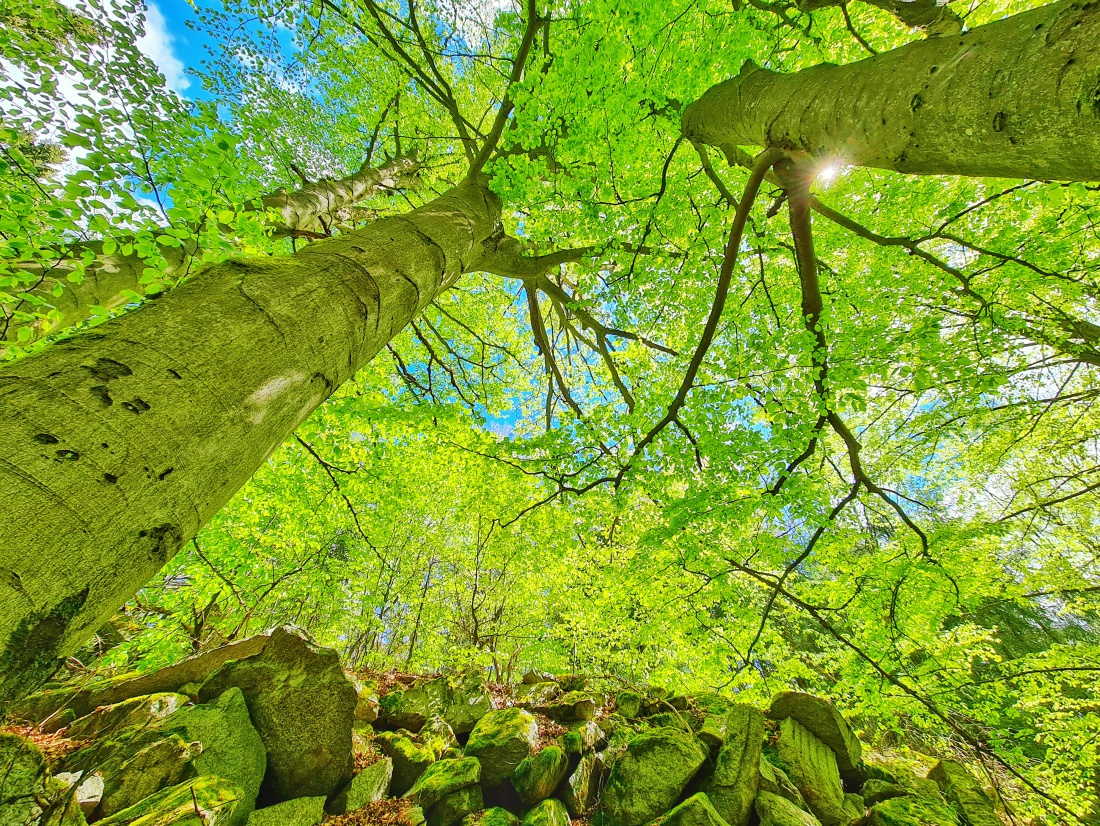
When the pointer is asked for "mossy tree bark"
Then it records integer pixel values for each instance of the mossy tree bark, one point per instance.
(118, 444)
(1017, 98)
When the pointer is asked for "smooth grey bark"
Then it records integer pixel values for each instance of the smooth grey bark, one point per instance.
(118, 444)
(310, 210)
(1017, 98)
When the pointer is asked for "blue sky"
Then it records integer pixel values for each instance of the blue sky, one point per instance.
(172, 44)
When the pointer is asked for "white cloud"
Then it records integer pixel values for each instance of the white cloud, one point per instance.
(157, 44)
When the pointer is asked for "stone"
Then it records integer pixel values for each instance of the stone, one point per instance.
(202, 801)
(577, 791)
(452, 808)
(232, 748)
(62, 806)
(590, 734)
(491, 817)
(470, 700)
(193, 670)
(536, 694)
(576, 705)
(549, 812)
(821, 719)
(538, 774)
(302, 705)
(301, 811)
(629, 704)
(875, 791)
(49, 704)
(501, 740)
(912, 811)
(442, 778)
(648, 777)
(532, 677)
(89, 790)
(811, 766)
(775, 781)
(370, 784)
(673, 719)
(712, 732)
(23, 781)
(161, 764)
(409, 762)
(774, 810)
(366, 706)
(964, 793)
(437, 736)
(461, 704)
(697, 810)
(736, 777)
(855, 809)
(107, 720)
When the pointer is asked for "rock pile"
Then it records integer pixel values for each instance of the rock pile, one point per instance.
(272, 732)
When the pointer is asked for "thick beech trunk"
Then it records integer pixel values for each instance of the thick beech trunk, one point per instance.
(108, 279)
(118, 444)
(1018, 98)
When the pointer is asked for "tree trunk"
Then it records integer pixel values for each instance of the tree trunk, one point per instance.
(109, 278)
(1017, 98)
(118, 444)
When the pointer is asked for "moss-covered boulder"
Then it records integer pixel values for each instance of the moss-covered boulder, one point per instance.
(697, 810)
(370, 784)
(812, 768)
(732, 785)
(855, 808)
(302, 811)
(671, 719)
(549, 812)
(964, 793)
(410, 759)
(591, 735)
(821, 718)
(491, 817)
(409, 708)
(136, 711)
(23, 782)
(646, 779)
(460, 702)
(202, 801)
(538, 774)
(578, 789)
(775, 781)
(501, 740)
(912, 811)
(875, 791)
(442, 778)
(366, 706)
(774, 810)
(456, 806)
(536, 694)
(161, 764)
(231, 747)
(575, 705)
(629, 704)
(302, 705)
(437, 735)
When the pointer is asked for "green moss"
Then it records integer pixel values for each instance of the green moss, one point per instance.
(302, 811)
(964, 793)
(33, 651)
(629, 703)
(452, 808)
(646, 779)
(204, 801)
(536, 777)
(550, 812)
(501, 740)
(491, 817)
(409, 762)
(24, 779)
(697, 810)
(442, 778)
(774, 810)
(912, 811)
